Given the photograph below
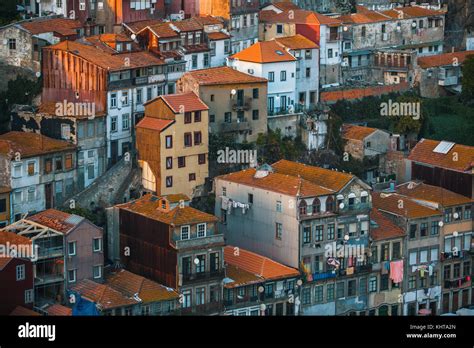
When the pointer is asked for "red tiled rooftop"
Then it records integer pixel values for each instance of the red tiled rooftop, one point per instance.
(137, 26)
(162, 30)
(24, 312)
(254, 264)
(219, 35)
(62, 26)
(359, 93)
(385, 228)
(29, 144)
(285, 5)
(444, 59)
(222, 76)
(157, 124)
(296, 42)
(149, 206)
(56, 220)
(423, 153)
(298, 17)
(59, 310)
(184, 102)
(402, 206)
(351, 131)
(208, 20)
(264, 52)
(435, 194)
(411, 12)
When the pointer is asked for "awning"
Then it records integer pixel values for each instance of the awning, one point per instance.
(364, 194)
(340, 197)
(352, 195)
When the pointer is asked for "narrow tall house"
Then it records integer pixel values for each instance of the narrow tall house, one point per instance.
(172, 143)
(175, 245)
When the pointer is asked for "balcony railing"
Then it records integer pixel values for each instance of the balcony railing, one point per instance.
(198, 242)
(207, 308)
(333, 36)
(457, 283)
(324, 275)
(44, 253)
(448, 81)
(241, 104)
(42, 279)
(354, 207)
(190, 277)
(236, 126)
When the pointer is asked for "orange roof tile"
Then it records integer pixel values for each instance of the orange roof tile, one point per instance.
(423, 153)
(218, 36)
(286, 184)
(443, 59)
(359, 93)
(222, 76)
(31, 144)
(149, 205)
(385, 228)
(264, 52)
(240, 277)
(137, 26)
(57, 220)
(186, 25)
(184, 102)
(157, 124)
(105, 296)
(250, 263)
(208, 20)
(130, 284)
(329, 179)
(286, 5)
(298, 17)
(59, 310)
(435, 194)
(62, 26)
(351, 131)
(162, 30)
(297, 42)
(412, 12)
(49, 108)
(402, 206)
(20, 311)
(177, 197)
(365, 17)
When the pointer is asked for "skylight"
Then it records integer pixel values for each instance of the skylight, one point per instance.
(280, 53)
(443, 147)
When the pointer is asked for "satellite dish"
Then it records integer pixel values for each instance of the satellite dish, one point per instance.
(196, 261)
(346, 237)
(233, 92)
(341, 206)
(133, 36)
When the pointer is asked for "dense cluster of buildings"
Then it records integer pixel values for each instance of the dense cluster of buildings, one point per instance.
(132, 93)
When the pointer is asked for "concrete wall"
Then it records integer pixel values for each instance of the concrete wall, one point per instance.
(22, 56)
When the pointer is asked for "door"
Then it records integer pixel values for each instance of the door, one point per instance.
(283, 103)
(455, 301)
(114, 151)
(465, 298)
(271, 104)
(48, 188)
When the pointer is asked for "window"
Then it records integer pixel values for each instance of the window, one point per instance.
(278, 206)
(139, 96)
(197, 116)
(363, 286)
(97, 272)
(250, 198)
(169, 141)
(214, 262)
(340, 291)
(184, 232)
(424, 229)
(29, 296)
(318, 294)
(200, 296)
(271, 76)
(188, 139)
(330, 54)
(411, 282)
(434, 228)
(201, 264)
(434, 252)
(197, 138)
(206, 60)
(279, 29)
(340, 231)
(396, 250)
(194, 61)
(351, 287)
(318, 235)
(97, 244)
(202, 158)
(71, 275)
(423, 256)
(385, 254)
(3, 205)
(255, 114)
(330, 292)
(169, 162)
(186, 299)
(283, 75)
(373, 284)
(71, 248)
(255, 93)
(212, 118)
(413, 228)
(384, 282)
(169, 181)
(278, 230)
(113, 124)
(364, 31)
(457, 270)
(466, 268)
(90, 172)
(12, 44)
(448, 215)
(192, 177)
(181, 162)
(125, 121)
(20, 273)
(187, 117)
(306, 296)
(113, 100)
(306, 234)
(149, 93)
(413, 258)
(31, 193)
(68, 161)
(31, 168)
(467, 212)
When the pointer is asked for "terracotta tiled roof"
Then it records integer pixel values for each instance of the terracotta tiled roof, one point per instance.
(106, 60)
(107, 42)
(412, 12)
(149, 205)
(365, 17)
(31, 144)
(4, 261)
(275, 182)
(401, 206)
(177, 197)
(240, 277)
(130, 284)
(285, 5)
(49, 108)
(103, 295)
(222, 76)
(186, 102)
(13, 238)
(208, 20)
(297, 42)
(330, 179)
(157, 124)
(62, 26)
(260, 266)
(298, 17)
(137, 26)
(351, 131)
(219, 35)
(435, 194)
(57, 220)
(359, 93)
(385, 229)
(186, 25)
(423, 153)
(59, 310)
(24, 312)
(162, 30)
(264, 52)
(443, 59)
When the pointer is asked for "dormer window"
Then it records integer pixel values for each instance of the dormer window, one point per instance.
(163, 204)
(129, 47)
(119, 47)
(184, 232)
(303, 207)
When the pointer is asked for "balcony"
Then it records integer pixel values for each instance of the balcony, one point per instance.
(204, 309)
(331, 37)
(229, 127)
(288, 110)
(457, 283)
(44, 279)
(324, 275)
(53, 252)
(241, 104)
(142, 80)
(203, 242)
(448, 81)
(202, 276)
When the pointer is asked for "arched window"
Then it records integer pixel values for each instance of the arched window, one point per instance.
(316, 206)
(330, 204)
(303, 207)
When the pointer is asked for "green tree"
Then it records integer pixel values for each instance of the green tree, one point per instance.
(468, 80)
(8, 12)
(272, 147)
